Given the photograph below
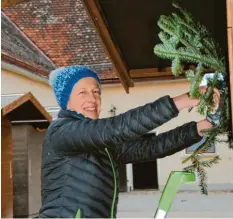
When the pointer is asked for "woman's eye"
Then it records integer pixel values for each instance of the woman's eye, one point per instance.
(81, 92)
(97, 92)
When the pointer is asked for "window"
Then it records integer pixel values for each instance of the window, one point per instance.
(192, 148)
(53, 111)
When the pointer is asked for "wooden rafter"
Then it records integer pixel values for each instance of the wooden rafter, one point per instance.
(7, 3)
(230, 46)
(23, 99)
(6, 169)
(155, 72)
(97, 17)
(149, 72)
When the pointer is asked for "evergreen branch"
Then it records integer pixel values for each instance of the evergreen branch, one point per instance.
(190, 168)
(185, 41)
(163, 24)
(203, 177)
(195, 81)
(165, 52)
(176, 27)
(186, 14)
(177, 68)
(197, 30)
(202, 148)
(209, 163)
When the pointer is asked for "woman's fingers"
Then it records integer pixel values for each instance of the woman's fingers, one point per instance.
(193, 102)
(216, 98)
(203, 89)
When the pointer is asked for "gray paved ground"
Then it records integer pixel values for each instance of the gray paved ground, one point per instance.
(186, 205)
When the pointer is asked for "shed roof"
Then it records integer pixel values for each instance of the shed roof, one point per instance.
(21, 108)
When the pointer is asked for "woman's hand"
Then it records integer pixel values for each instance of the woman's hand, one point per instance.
(203, 125)
(185, 101)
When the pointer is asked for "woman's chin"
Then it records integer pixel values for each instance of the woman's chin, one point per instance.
(91, 115)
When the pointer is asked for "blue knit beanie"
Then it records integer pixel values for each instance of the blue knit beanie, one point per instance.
(63, 80)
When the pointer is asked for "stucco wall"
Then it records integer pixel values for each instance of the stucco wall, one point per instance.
(15, 83)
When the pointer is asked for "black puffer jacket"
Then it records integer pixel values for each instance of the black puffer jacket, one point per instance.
(81, 156)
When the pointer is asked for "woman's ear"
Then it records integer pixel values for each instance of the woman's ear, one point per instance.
(68, 105)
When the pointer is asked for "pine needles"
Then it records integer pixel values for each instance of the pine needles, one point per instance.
(185, 41)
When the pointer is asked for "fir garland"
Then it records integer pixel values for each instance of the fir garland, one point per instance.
(186, 42)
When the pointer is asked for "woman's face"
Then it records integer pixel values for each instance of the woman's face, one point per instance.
(85, 98)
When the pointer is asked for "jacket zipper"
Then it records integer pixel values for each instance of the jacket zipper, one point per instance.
(115, 184)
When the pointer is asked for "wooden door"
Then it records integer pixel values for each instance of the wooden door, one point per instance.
(35, 140)
(20, 170)
(230, 45)
(6, 168)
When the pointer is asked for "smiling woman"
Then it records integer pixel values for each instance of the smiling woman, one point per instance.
(82, 153)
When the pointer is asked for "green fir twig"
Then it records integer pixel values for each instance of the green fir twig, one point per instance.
(185, 41)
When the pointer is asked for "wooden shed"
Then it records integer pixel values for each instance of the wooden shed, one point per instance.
(17, 111)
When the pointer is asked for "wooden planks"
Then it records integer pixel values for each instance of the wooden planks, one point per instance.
(230, 46)
(149, 72)
(7, 3)
(20, 170)
(6, 170)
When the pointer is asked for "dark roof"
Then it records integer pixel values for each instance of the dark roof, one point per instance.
(64, 32)
(16, 46)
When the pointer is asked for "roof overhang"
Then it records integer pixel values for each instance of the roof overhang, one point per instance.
(14, 61)
(27, 109)
(7, 3)
(129, 32)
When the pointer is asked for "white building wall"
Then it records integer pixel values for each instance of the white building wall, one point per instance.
(14, 83)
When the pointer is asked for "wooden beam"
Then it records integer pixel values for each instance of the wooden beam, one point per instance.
(230, 47)
(6, 169)
(154, 72)
(17, 62)
(7, 3)
(97, 17)
(23, 99)
(149, 72)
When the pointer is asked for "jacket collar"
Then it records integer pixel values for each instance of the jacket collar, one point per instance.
(70, 114)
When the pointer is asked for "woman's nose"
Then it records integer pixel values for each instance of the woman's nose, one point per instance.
(91, 97)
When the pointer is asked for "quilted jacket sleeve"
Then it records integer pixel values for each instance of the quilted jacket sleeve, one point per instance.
(150, 147)
(87, 135)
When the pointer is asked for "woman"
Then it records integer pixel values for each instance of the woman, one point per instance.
(81, 153)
